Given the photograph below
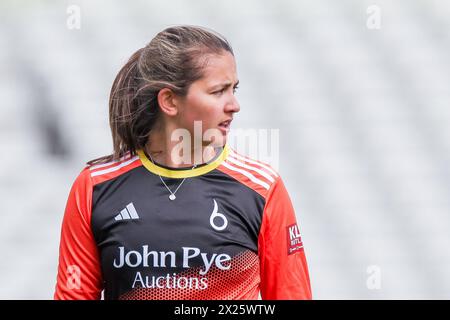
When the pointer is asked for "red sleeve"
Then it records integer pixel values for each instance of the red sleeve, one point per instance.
(283, 267)
(79, 273)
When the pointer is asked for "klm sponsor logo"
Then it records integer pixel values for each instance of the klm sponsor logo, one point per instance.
(294, 239)
(294, 234)
(129, 213)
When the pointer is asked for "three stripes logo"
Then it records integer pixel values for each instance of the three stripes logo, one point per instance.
(129, 213)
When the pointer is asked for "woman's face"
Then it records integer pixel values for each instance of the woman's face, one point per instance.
(211, 100)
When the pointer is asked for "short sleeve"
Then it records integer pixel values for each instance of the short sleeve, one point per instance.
(79, 272)
(283, 267)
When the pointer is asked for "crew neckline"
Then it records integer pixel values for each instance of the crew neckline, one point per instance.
(169, 172)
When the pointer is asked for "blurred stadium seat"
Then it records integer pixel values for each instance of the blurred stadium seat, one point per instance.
(364, 119)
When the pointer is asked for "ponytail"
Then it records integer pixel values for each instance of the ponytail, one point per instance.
(132, 111)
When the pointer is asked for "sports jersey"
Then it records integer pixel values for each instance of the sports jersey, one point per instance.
(231, 233)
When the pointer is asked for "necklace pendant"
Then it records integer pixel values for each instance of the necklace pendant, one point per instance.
(172, 197)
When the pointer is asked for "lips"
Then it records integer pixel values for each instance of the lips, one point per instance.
(225, 125)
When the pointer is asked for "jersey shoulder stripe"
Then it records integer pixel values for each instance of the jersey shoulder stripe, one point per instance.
(256, 175)
(107, 171)
(105, 165)
(266, 166)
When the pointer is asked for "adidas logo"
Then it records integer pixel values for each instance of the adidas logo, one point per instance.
(129, 213)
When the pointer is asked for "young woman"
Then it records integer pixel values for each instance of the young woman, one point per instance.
(174, 212)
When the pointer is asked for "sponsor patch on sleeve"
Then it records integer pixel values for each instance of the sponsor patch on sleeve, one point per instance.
(294, 239)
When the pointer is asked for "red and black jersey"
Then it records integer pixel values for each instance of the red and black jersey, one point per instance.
(231, 233)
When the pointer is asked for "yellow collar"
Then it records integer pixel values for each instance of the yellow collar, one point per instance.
(182, 173)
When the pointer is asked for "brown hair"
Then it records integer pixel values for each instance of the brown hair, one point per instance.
(173, 59)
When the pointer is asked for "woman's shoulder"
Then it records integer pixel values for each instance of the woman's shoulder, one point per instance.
(266, 166)
(106, 167)
(257, 174)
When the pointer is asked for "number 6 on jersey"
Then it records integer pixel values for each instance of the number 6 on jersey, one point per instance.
(215, 214)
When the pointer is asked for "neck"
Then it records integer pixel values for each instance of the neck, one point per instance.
(176, 154)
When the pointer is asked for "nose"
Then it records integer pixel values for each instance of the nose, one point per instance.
(233, 105)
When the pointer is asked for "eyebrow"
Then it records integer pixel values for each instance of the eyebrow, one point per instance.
(224, 85)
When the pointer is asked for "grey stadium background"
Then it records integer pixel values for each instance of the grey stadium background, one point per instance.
(359, 91)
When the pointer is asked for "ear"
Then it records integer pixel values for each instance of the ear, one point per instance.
(167, 102)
